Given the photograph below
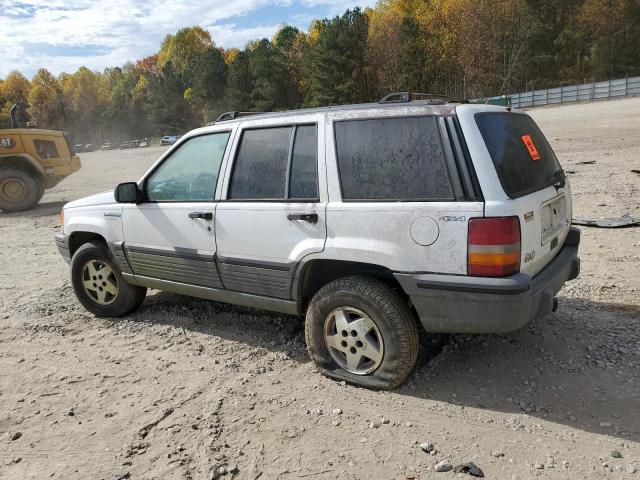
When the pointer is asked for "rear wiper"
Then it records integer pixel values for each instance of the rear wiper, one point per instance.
(559, 174)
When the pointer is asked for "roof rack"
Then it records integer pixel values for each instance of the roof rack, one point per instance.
(233, 115)
(404, 97)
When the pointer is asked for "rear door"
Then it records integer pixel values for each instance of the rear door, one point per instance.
(273, 208)
(520, 175)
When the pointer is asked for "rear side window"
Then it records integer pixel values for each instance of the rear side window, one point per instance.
(303, 183)
(392, 159)
(523, 158)
(277, 163)
(260, 171)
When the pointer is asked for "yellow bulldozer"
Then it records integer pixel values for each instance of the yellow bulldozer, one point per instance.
(31, 161)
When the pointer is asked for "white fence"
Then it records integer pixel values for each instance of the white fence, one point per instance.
(622, 87)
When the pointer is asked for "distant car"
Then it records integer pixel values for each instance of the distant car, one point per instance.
(129, 144)
(88, 148)
(144, 143)
(107, 146)
(168, 140)
(78, 148)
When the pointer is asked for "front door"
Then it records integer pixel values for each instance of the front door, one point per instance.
(273, 213)
(170, 235)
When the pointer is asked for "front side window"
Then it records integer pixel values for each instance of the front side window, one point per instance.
(392, 159)
(270, 159)
(191, 172)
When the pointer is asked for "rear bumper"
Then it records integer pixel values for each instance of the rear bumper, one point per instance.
(460, 304)
(62, 242)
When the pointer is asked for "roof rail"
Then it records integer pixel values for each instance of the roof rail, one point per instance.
(233, 115)
(404, 97)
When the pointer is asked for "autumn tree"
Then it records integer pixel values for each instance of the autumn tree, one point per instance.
(85, 98)
(184, 48)
(15, 91)
(46, 100)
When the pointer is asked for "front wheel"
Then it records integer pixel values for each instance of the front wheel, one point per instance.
(99, 284)
(361, 331)
(19, 189)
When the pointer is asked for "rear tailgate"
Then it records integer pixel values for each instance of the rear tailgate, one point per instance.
(519, 175)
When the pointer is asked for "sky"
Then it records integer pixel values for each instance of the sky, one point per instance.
(63, 35)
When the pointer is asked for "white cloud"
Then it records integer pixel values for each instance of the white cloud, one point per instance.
(231, 35)
(62, 35)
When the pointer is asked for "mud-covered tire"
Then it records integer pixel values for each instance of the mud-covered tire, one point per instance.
(393, 322)
(19, 189)
(94, 258)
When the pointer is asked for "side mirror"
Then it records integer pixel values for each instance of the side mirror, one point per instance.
(126, 192)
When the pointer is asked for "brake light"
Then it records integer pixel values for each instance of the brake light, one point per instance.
(494, 247)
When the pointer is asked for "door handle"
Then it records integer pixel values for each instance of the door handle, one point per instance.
(203, 215)
(305, 217)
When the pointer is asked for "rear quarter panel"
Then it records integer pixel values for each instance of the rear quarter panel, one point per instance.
(381, 232)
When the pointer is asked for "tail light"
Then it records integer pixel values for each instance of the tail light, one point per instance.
(494, 247)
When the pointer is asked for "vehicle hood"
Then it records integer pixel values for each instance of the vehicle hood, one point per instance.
(105, 198)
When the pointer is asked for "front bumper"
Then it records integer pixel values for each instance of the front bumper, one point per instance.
(460, 304)
(62, 242)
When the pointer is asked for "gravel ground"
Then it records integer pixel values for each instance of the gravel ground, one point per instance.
(192, 389)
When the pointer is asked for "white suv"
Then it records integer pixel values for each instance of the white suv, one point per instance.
(374, 221)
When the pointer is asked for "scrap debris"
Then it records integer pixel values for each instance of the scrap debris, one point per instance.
(624, 221)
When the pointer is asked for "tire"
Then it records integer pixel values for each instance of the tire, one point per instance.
(106, 295)
(19, 189)
(369, 306)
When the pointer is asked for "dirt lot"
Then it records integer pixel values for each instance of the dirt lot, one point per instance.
(184, 388)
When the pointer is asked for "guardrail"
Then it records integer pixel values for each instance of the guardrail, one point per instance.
(586, 92)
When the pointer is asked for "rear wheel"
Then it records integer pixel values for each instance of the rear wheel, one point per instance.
(360, 330)
(99, 284)
(19, 189)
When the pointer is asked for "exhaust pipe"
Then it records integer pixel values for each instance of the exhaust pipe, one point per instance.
(14, 116)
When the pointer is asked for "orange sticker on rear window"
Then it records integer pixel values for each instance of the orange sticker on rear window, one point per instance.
(533, 151)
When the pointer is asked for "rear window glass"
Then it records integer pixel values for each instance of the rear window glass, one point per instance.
(392, 159)
(524, 161)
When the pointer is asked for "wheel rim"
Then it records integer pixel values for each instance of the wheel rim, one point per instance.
(100, 282)
(353, 340)
(13, 189)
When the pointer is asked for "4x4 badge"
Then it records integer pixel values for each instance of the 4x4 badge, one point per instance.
(528, 216)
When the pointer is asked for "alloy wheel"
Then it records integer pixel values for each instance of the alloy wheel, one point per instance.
(100, 282)
(353, 340)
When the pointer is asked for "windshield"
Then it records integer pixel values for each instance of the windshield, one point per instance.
(523, 158)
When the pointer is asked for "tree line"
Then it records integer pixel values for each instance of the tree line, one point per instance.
(460, 48)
